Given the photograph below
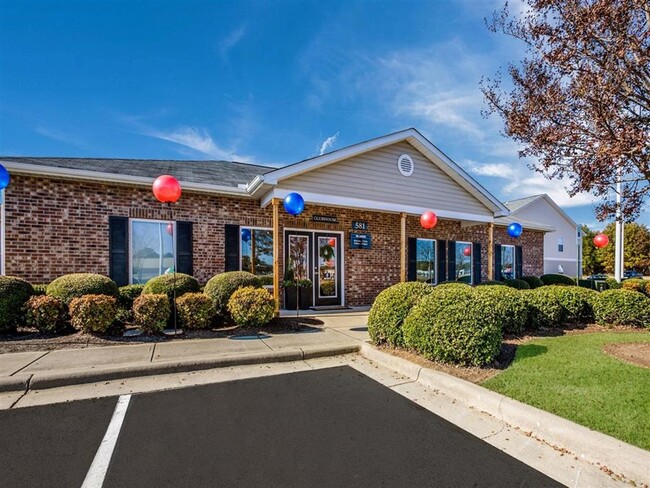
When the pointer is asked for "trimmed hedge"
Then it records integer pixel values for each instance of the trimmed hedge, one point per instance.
(47, 314)
(557, 279)
(251, 307)
(93, 313)
(221, 287)
(491, 283)
(40, 290)
(637, 284)
(517, 284)
(533, 281)
(576, 302)
(127, 294)
(613, 284)
(622, 307)
(76, 285)
(508, 303)
(391, 307)
(151, 312)
(544, 308)
(14, 292)
(195, 310)
(165, 284)
(466, 332)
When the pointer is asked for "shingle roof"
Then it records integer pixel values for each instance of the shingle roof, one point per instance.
(223, 173)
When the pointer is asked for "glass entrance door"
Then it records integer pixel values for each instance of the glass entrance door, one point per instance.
(327, 269)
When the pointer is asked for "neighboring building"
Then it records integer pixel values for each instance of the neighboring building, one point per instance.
(359, 233)
(561, 246)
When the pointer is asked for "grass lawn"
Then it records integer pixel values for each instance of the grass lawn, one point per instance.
(571, 377)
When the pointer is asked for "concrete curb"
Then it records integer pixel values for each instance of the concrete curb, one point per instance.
(595, 447)
(17, 382)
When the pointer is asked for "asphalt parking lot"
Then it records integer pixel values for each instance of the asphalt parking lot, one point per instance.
(328, 427)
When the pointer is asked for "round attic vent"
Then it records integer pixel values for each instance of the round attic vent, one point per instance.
(405, 165)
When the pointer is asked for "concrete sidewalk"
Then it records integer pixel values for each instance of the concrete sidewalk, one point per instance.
(340, 333)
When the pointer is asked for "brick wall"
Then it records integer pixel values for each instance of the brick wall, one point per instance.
(56, 227)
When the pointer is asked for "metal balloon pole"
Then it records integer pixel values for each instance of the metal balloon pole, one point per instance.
(5, 179)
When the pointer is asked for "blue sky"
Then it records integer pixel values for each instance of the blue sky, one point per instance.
(262, 82)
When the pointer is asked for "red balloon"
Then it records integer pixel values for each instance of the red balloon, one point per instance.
(467, 251)
(167, 189)
(428, 220)
(332, 242)
(170, 229)
(601, 240)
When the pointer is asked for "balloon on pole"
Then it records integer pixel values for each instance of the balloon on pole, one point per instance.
(5, 178)
(467, 251)
(294, 204)
(167, 189)
(515, 229)
(428, 220)
(245, 235)
(601, 240)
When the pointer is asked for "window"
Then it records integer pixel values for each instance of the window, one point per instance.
(257, 253)
(152, 249)
(425, 265)
(560, 244)
(463, 270)
(507, 262)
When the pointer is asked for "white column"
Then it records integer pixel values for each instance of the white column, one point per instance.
(618, 250)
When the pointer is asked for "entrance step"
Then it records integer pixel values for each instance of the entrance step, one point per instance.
(329, 308)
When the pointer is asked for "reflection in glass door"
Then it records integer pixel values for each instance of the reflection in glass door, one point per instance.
(327, 267)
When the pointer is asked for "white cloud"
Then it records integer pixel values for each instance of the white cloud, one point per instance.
(497, 170)
(527, 183)
(66, 136)
(328, 143)
(230, 41)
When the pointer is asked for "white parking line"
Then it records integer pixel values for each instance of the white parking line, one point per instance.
(99, 467)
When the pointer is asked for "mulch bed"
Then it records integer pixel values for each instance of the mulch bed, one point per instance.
(27, 339)
(637, 353)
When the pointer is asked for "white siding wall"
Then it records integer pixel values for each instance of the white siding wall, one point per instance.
(374, 176)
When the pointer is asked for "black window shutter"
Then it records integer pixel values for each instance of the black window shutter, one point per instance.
(451, 261)
(118, 244)
(413, 259)
(232, 247)
(519, 262)
(476, 264)
(497, 262)
(442, 260)
(184, 248)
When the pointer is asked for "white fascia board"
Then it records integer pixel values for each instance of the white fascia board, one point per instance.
(362, 204)
(501, 222)
(77, 174)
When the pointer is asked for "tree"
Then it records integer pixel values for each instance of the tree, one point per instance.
(580, 101)
(636, 248)
(590, 262)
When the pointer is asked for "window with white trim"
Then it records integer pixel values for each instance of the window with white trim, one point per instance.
(257, 252)
(152, 249)
(425, 266)
(463, 270)
(507, 262)
(560, 244)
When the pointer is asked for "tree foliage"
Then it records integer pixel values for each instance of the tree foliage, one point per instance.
(636, 248)
(580, 99)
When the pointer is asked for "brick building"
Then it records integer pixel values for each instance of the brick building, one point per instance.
(359, 232)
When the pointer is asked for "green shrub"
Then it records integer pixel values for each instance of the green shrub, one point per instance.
(466, 332)
(14, 292)
(612, 284)
(93, 313)
(507, 302)
(251, 307)
(491, 283)
(544, 308)
(127, 294)
(622, 307)
(517, 284)
(167, 283)
(151, 312)
(327, 288)
(557, 279)
(47, 314)
(40, 290)
(533, 281)
(636, 284)
(576, 302)
(76, 285)
(221, 287)
(195, 310)
(454, 284)
(391, 307)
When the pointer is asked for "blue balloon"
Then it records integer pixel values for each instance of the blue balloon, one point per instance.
(4, 177)
(294, 204)
(515, 229)
(245, 235)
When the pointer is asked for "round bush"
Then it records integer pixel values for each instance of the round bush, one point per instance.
(151, 312)
(47, 314)
(544, 309)
(221, 287)
(251, 307)
(76, 285)
(195, 310)
(127, 294)
(165, 284)
(636, 284)
(93, 313)
(517, 284)
(465, 332)
(533, 281)
(576, 302)
(622, 307)
(391, 307)
(557, 279)
(453, 284)
(507, 302)
(40, 290)
(612, 284)
(491, 283)
(14, 292)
